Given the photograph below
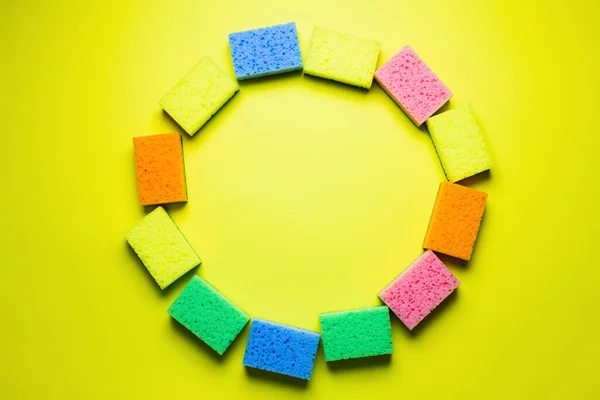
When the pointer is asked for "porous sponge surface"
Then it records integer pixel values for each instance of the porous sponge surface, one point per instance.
(459, 143)
(198, 95)
(412, 85)
(265, 51)
(357, 333)
(160, 169)
(419, 289)
(341, 57)
(162, 247)
(208, 314)
(281, 349)
(455, 220)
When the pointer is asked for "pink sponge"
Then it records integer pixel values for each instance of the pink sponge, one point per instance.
(419, 289)
(412, 85)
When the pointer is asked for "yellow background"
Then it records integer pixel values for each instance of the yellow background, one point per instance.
(305, 196)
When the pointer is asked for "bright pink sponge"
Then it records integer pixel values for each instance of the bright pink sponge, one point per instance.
(412, 85)
(419, 289)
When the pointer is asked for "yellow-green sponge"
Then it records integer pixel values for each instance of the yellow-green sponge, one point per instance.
(343, 58)
(199, 95)
(162, 247)
(459, 143)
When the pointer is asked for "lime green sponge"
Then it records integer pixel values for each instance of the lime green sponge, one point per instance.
(162, 247)
(208, 314)
(199, 95)
(343, 58)
(357, 333)
(459, 143)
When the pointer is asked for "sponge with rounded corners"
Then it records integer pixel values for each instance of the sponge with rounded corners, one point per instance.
(162, 247)
(362, 332)
(455, 220)
(208, 314)
(281, 349)
(412, 85)
(159, 168)
(419, 289)
(198, 95)
(343, 58)
(265, 51)
(459, 143)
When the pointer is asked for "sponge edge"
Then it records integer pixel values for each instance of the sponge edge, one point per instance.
(208, 314)
(419, 289)
(160, 169)
(162, 247)
(265, 51)
(459, 143)
(199, 95)
(455, 220)
(341, 57)
(281, 349)
(357, 333)
(412, 85)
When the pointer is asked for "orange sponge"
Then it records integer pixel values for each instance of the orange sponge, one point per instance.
(160, 170)
(455, 220)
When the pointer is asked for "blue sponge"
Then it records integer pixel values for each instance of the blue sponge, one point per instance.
(265, 51)
(281, 348)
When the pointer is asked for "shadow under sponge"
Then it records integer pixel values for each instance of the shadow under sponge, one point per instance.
(265, 51)
(362, 332)
(419, 289)
(162, 247)
(343, 58)
(208, 314)
(281, 349)
(160, 169)
(455, 220)
(198, 95)
(412, 85)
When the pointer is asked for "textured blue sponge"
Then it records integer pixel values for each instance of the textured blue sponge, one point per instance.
(281, 348)
(265, 51)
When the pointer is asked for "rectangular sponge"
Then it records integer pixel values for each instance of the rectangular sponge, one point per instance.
(419, 289)
(208, 314)
(265, 51)
(159, 169)
(412, 85)
(162, 247)
(357, 333)
(198, 95)
(281, 349)
(343, 58)
(455, 220)
(459, 143)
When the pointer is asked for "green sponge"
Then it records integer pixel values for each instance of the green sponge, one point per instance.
(208, 314)
(459, 143)
(343, 58)
(362, 332)
(199, 95)
(162, 247)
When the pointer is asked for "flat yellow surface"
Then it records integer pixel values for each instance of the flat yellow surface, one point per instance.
(305, 196)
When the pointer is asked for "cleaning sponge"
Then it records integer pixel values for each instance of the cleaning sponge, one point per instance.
(343, 58)
(162, 247)
(159, 169)
(362, 332)
(282, 349)
(412, 85)
(199, 95)
(459, 143)
(265, 51)
(455, 220)
(419, 289)
(208, 314)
